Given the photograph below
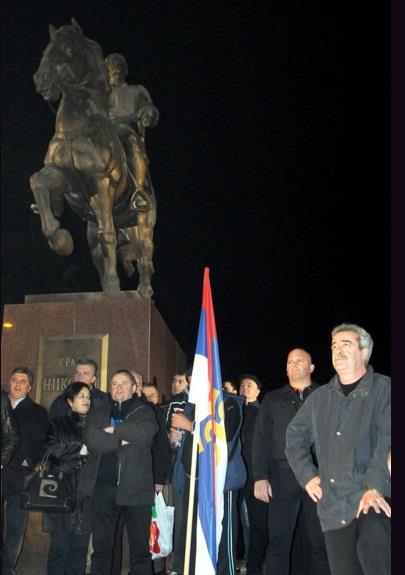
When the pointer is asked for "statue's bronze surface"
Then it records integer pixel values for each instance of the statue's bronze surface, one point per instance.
(86, 162)
(132, 111)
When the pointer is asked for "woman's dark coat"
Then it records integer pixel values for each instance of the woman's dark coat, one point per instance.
(64, 443)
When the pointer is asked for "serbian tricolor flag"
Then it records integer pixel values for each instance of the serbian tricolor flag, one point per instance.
(206, 394)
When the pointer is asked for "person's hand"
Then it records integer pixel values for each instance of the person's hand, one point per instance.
(372, 498)
(123, 442)
(174, 435)
(262, 490)
(181, 422)
(158, 487)
(313, 488)
(109, 429)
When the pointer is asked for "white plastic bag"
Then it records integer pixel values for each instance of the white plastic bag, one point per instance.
(161, 528)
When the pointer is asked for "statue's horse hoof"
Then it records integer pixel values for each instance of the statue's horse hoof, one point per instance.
(111, 285)
(145, 292)
(61, 242)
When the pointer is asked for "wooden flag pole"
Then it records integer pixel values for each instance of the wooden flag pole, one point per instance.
(191, 496)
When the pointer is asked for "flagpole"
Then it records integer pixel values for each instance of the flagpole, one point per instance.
(209, 440)
(191, 499)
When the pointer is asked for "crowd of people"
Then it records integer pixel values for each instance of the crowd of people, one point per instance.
(307, 459)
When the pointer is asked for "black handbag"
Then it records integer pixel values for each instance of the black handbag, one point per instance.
(49, 489)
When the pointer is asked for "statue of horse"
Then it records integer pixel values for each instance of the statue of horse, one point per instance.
(86, 164)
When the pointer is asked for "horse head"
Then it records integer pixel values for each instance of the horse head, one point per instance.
(69, 61)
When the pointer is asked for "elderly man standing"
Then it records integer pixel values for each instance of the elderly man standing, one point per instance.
(275, 483)
(118, 476)
(349, 423)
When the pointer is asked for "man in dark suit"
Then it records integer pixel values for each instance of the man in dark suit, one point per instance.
(32, 422)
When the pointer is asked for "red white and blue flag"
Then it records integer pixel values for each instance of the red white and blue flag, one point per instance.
(206, 394)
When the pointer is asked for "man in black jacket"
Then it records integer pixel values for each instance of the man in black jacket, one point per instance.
(275, 482)
(176, 404)
(161, 458)
(161, 453)
(253, 511)
(119, 435)
(9, 441)
(349, 422)
(32, 421)
(9, 432)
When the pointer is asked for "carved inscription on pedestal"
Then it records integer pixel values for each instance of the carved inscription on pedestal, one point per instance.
(57, 356)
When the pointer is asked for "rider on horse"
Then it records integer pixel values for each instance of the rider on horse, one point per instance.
(131, 111)
(88, 165)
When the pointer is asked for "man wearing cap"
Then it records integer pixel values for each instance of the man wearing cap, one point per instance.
(275, 482)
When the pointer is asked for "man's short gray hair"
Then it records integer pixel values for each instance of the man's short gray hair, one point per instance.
(365, 339)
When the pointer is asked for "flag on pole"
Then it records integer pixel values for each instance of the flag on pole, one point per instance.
(206, 394)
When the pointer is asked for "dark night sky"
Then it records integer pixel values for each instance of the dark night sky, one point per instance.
(270, 163)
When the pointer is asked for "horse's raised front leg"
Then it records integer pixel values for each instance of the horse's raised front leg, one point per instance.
(102, 206)
(48, 186)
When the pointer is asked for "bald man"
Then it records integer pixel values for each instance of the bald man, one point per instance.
(275, 482)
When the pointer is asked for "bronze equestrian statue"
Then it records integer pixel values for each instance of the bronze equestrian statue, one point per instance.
(86, 162)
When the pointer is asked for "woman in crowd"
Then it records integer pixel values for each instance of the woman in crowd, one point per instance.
(69, 532)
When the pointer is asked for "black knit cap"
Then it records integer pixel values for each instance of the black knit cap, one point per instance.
(252, 377)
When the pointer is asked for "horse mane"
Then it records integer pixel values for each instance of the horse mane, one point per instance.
(93, 51)
(96, 55)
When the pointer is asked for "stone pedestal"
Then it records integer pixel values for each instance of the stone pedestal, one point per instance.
(134, 337)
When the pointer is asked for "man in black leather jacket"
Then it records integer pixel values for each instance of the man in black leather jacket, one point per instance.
(253, 512)
(9, 440)
(9, 432)
(32, 421)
